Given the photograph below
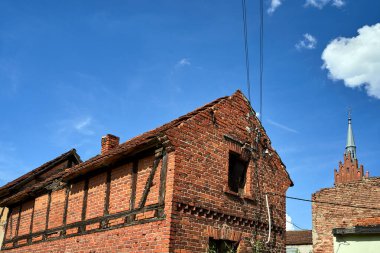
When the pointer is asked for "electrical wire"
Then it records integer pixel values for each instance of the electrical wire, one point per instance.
(324, 202)
(246, 51)
(296, 226)
(261, 56)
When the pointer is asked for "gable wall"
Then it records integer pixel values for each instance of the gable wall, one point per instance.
(204, 206)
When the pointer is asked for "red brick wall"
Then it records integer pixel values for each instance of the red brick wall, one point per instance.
(145, 238)
(121, 180)
(96, 196)
(327, 217)
(150, 237)
(56, 208)
(12, 222)
(198, 205)
(26, 218)
(40, 208)
(201, 180)
(74, 209)
(144, 168)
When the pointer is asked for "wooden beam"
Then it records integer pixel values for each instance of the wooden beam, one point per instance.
(66, 206)
(84, 205)
(149, 182)
(162, 191)
(80, 224)
(18, 221)
(48, 210)
(108, 191)
(32, 220)
(10, 210)
(132, 200)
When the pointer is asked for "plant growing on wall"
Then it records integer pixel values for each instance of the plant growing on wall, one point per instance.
(257, 246)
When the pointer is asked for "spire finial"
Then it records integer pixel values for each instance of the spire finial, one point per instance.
(349, 113)
(350, 145)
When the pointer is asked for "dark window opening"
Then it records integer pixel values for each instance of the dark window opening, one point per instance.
(222, 246)
(237, 170)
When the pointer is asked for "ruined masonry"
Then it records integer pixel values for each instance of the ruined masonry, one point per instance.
(195, 184)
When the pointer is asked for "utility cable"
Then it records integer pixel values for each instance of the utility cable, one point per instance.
(324, 202)
(246, 51)
(261, 56)
(302, 229)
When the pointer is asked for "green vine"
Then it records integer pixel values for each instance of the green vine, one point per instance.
(257, 246)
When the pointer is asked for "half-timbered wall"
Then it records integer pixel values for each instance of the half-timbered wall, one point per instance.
(113, 198)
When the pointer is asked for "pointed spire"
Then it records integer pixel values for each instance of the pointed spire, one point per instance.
(350, 145)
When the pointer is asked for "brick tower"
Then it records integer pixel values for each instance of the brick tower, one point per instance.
(349, 170)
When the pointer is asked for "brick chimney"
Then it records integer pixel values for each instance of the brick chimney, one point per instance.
(109, 142)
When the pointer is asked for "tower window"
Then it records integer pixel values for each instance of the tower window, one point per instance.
(237, 171)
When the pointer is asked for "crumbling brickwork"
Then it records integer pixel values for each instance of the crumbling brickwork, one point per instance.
(326, 217)
(206, 208)
(164, 191)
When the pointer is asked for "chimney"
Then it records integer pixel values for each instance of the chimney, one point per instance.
(109, 142)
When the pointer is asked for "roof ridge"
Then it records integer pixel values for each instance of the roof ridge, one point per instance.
(153, 132)
(38, 169)
(126, 146)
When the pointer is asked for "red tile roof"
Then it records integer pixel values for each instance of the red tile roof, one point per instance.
(301, 237)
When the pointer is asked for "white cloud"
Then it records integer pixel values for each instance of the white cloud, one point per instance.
(338, 3)
(274, 4)
(308, 42)
(82, 125)
(322, 3)
(283, 127)
(289, 224)
(183, 62)
(76, 128)
(356, 60)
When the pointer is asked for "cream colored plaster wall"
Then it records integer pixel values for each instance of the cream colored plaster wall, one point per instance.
(299, 248)
(357, 244)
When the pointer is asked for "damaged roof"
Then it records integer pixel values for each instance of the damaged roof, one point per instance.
(16, 184)
(139, 143)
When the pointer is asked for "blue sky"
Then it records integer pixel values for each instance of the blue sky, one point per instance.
(72, 71)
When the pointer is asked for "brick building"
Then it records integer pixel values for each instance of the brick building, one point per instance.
(196, 184)
(299, 241)
(352, 223)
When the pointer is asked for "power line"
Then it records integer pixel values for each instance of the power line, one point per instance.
(261, 56)
(324, 202)
(296, 225)
(246, 51)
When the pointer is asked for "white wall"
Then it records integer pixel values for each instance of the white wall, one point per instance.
(300, 248)
(357, 244)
